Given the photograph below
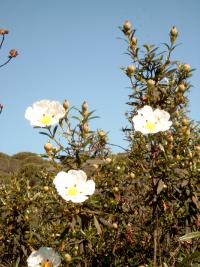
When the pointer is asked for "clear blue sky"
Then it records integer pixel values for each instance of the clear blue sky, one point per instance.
(69, 49)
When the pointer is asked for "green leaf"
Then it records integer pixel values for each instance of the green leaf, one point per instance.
(45, 134)
(186, 261)
(76, 118)
(189, 236)
(97, 225)
(17, 262)
(54, 130)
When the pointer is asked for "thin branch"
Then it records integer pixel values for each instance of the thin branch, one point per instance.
(119, 147)
(6, 62)
(3, 38)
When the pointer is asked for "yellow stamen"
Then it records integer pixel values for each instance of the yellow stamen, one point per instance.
(72, 191)
(46, 264)
(46, 119)
(150, 126)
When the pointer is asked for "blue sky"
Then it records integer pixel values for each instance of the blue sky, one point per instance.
(69, 49)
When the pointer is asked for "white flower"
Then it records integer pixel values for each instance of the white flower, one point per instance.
(149, 121)
(44, 257)
(74, 185)
(45, 113)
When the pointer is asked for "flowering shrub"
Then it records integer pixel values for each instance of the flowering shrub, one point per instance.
(135, 206)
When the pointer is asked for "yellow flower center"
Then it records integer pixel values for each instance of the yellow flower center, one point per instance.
(72, 191)
(46, 119)
(150, 126)
(46, 264)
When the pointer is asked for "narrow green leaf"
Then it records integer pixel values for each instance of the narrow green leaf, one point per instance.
(189, 236)
(45, 134)
(54, 130)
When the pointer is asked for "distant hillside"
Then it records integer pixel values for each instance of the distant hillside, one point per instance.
(20, 161)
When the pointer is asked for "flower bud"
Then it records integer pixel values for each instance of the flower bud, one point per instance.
(173, 34)
(66, 105)
(108, 160)
(187, 133)
(46, 188)
(13, 53)
(3, 31)
(177, 158)
(48, 147)
(68, 257)
(184, 129)
(134, 41)
(170, 138)
(96, 166)
(185, 121)
(150, 83)
(197, 148)
(102, 134)
(86, 128)
(84, 106)
(115, 226)
(84, 109)
(170, 146)
(132, 175)
(186, 67)
(116, 189)
(127, 26)
(130, 70)
(181, 87)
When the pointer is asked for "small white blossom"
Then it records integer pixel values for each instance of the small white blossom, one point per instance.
(44, 257)
(45, 113)
(149, 121)
(74, 185)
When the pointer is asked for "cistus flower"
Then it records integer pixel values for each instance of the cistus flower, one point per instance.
(148, 121)
(74, 186)
(45, 113)
(44, 257)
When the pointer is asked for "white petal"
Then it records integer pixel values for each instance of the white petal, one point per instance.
(79, 198)
(145, 111)
(34, 259)
(79, 174)
(64, 180)
(89, 187)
